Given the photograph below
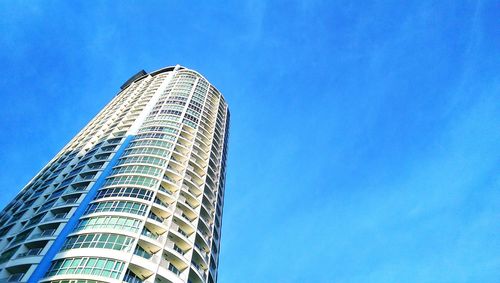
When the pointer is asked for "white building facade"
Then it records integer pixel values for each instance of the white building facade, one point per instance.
(136, 196)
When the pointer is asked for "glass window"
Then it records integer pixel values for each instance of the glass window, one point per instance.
(125, 192)
(117, 206)
(110, 222)
(85, 265)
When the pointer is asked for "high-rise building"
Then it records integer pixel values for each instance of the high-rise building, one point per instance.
(136, 196)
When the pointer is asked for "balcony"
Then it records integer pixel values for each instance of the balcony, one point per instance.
(190, 196)
(182, 149)
(95, 166)
(203, 137)
(35, 220)
(208, 210)
(149, 234)
(198, 270)
(174, 263)
(172, 169)
(169, 180)
(43, 234)
(188, 181)
(195, 191)
(156, 229)
(203, 254)
(161, 203)
(184, 216)
(143, 253)
(205, 237)
(178, 158)
(46, 206)
(189, 202)
(68, 201)
(132, 278)
(170, 267)
(182, 140)
(197, 147)
(187, 134)
(58, 216)
(168, 192)
(175, 247)
(86, 177)
(210, 181)
(17, 277)
(195, 167)
(196, 177)
(104, 156)
(32, 252)
(80, 187)
(18, 240)
(156, 218)
(208, 225)
(202, 145)
(142, 267)
(175, 227)
(210, 197)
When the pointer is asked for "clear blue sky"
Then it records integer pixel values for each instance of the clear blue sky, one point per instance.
(364, 138)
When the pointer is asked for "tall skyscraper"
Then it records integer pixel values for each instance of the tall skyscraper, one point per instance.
(136, 196)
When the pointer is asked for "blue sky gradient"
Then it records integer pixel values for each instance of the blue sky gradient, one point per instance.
(364, 136)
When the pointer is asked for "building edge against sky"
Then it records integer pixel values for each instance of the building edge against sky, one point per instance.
(136, 196)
